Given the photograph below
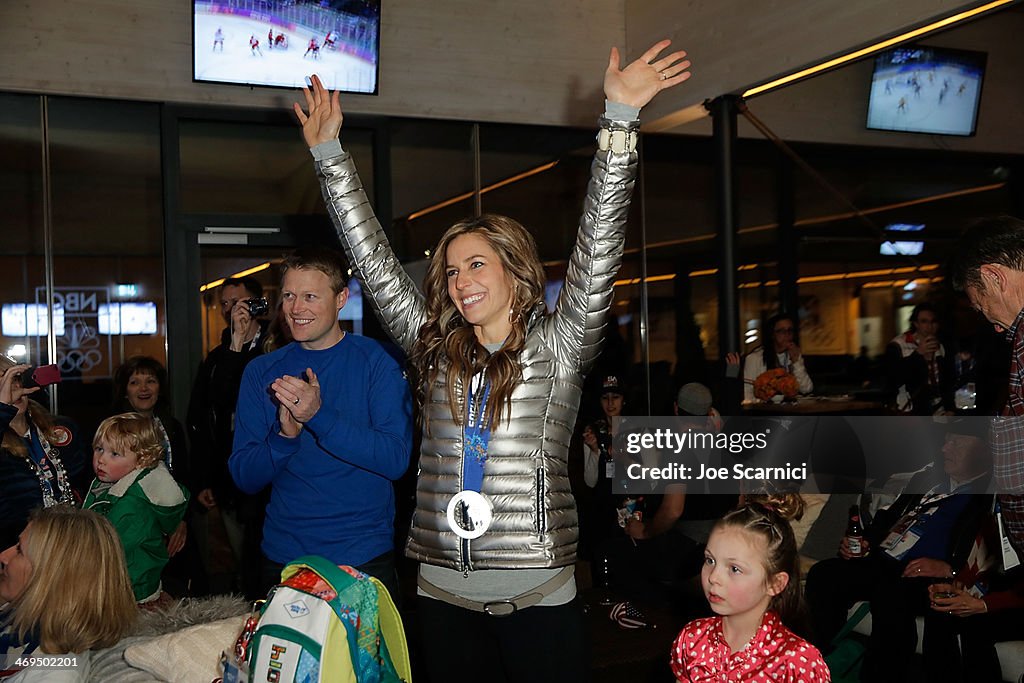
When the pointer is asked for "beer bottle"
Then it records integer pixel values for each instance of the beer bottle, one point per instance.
(855, 533)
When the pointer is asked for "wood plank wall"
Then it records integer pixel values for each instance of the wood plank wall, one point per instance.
(527, 61)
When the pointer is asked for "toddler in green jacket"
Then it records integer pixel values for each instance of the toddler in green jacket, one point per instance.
(136, 492)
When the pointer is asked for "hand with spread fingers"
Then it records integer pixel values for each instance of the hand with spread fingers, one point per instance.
(323, 121)
(638, 83)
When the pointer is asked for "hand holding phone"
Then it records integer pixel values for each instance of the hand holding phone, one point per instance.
(40, 376)
(11, 390)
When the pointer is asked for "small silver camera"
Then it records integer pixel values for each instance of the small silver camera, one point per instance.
(258, 307)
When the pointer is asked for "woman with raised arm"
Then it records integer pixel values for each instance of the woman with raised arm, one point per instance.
(43, 458)
(499, 384)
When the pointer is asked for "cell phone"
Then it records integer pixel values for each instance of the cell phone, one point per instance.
(732, 371)
(40, 376)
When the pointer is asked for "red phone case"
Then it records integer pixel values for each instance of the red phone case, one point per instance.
(45, 375)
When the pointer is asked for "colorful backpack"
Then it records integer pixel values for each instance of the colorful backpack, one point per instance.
(328, 623)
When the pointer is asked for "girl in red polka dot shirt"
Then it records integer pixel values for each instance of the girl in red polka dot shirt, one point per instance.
(751, 578)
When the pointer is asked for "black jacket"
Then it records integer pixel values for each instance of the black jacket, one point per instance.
(19, 485)
(211, 413)
(912, 371)
(964, 530)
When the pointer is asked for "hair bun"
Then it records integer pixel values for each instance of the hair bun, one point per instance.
(789, 506)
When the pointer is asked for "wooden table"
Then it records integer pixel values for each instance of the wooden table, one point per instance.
(818, 405)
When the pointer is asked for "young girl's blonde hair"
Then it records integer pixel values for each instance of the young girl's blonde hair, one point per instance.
(767, 516)
(134, 432)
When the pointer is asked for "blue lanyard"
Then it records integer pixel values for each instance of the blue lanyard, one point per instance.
(477, 436)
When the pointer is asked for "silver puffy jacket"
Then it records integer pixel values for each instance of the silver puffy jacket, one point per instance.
(526, 477)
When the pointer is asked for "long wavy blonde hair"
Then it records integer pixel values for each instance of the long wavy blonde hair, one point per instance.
(447, 340)
(36, 413)
(77, 555)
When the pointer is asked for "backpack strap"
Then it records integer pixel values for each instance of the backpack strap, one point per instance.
(330, 572)
(394, 648)
(340, 581)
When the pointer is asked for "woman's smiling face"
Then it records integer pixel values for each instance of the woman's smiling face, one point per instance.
(143, 392)
(479, 286)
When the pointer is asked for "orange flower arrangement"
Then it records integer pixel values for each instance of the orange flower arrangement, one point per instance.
(773, 382)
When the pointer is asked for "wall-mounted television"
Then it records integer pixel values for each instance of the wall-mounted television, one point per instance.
(919, 89)
(127, 317)
(29, 320)
(899, 245)
(900, 248)
(278, 43)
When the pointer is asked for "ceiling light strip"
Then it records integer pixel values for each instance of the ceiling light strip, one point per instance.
(466, 195)
(856, 275)
(241, 273)
(882, 45)
(819, 220)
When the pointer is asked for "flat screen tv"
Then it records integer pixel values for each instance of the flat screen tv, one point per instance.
(278, 43)
(900, 248)
(128, 317)
(29, 320)
(920, 89)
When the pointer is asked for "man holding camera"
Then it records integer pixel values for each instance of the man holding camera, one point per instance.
(211, 418)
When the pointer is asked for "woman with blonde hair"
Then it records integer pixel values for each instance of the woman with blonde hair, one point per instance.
(42, 457)
(499, 383)
(64, 590)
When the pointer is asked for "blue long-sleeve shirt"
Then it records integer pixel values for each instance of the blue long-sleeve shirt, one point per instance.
(331, 491)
